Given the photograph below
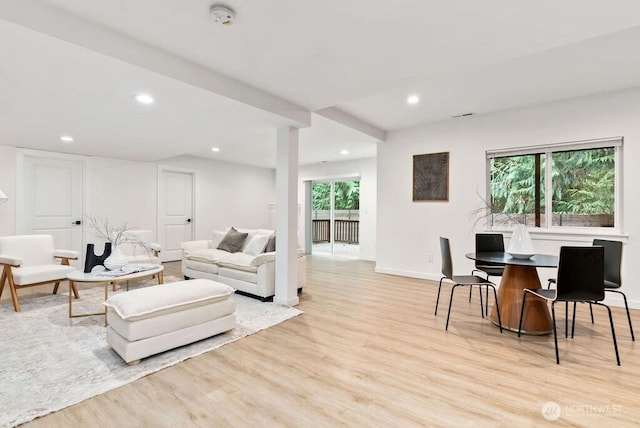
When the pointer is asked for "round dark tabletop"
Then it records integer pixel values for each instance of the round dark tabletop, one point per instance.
(538, 260)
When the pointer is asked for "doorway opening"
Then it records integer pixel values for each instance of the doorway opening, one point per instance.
(335, 218)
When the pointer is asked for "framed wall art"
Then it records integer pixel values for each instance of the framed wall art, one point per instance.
(431, 177)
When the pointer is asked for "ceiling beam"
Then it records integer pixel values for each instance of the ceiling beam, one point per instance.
(51, 21)
(353, 122)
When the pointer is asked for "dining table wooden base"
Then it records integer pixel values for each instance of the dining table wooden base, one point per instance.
(536, 319)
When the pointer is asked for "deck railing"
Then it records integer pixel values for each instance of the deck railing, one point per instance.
(347, 231)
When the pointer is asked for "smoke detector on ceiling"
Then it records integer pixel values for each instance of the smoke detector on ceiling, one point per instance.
(222, 14)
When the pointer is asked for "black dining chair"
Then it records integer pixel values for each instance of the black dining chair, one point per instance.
(612, 276)
(580, 279)
(462, 280)
(488, 243)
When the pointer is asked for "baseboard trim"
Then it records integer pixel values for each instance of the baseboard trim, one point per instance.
(408, 273)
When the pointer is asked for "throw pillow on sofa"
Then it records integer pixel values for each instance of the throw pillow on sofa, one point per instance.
(216, 238)
(256, 245)
(271, 244)
(232, 241)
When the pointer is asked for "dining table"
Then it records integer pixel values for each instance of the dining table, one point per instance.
(520, 273)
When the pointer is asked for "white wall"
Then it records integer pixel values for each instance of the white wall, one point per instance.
(366, 170)
(126, 191)
(8, 186)
(229, 194)
(408, 232)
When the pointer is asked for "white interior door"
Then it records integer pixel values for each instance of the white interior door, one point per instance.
(175, 210)
(52, 201)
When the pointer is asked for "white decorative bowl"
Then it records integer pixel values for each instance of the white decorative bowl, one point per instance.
(521, 256)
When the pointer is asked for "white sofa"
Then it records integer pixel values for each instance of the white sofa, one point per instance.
(249, 273)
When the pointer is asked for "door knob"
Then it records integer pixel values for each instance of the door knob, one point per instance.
(76, 222)
(188, 220)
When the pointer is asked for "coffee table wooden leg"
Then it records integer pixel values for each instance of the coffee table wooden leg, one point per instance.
(536, 319)
(160, 278)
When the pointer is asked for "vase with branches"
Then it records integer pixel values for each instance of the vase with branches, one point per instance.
(117, 235)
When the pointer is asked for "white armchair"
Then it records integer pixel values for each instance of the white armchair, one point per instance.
(28, 260)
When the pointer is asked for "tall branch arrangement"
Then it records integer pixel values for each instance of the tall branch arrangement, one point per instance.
(108, 232)
(485, 211)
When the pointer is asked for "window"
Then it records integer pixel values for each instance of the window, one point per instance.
(562, 185)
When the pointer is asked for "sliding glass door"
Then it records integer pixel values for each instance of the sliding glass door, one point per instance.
(336, 218)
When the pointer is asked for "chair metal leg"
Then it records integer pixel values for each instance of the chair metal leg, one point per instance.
(566, 320)
(555, 333)
(591, 312)
(486, 308)
(481, 304)
(626, 307)
(450, 302)
(524, 298)
(438, 298)
(495, 296)
(613, 330)
(470, 291)
(573, 320)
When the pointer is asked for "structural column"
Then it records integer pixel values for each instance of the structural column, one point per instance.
(287, 216)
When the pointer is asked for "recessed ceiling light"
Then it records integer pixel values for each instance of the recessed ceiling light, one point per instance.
(413, 99)
(66, 138)
(215, 149)
(344, 152)
(145, 99)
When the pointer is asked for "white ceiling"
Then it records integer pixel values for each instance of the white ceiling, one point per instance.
(72, 66)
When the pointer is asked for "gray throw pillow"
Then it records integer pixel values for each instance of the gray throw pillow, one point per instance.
(232, 241)
(271, 245)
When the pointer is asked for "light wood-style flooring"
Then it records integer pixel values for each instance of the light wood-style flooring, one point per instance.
(368, 351)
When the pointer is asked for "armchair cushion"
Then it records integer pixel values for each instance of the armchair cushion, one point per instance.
(32, 249)
(41, 273)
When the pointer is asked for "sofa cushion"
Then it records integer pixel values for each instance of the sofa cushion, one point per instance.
(208, 256)
(233, 241)
(239, 261)
(256, 245)
(164, 299)
(201, 266)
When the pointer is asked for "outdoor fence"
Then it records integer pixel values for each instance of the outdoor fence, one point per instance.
(347, 231)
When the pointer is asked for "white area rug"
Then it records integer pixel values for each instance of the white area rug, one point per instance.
(50, 362)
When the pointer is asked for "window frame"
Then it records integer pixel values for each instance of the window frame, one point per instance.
(547, 150)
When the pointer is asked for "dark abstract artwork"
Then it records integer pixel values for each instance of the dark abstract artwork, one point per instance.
(431, 177)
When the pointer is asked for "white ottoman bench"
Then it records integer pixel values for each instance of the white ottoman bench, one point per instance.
(155, 319)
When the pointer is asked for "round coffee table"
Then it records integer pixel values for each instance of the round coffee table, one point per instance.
(79, 277)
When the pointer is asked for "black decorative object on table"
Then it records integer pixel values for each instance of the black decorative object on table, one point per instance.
(92, 260)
